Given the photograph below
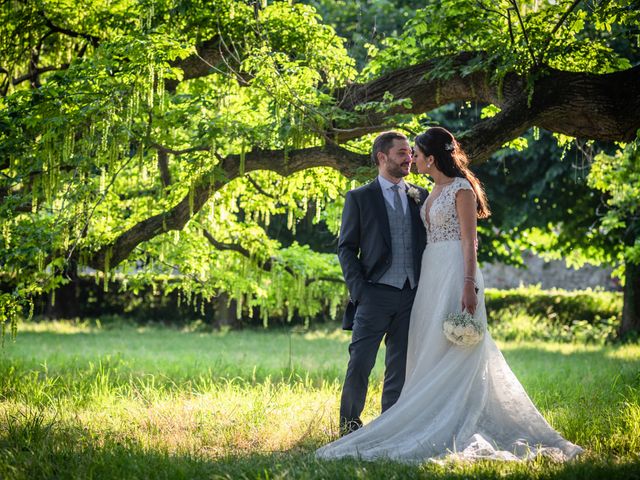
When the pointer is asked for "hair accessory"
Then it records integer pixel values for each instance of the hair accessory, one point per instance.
(448, 147)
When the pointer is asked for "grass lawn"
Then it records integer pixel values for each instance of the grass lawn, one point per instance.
(123, 402)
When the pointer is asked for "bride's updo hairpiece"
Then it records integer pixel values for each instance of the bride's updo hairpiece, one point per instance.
(450, 159)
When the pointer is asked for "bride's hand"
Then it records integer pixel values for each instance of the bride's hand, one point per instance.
(469, 298)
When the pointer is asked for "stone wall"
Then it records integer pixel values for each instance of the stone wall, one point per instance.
(554, 274)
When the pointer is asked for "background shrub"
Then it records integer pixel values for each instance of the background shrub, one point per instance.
(528, 313)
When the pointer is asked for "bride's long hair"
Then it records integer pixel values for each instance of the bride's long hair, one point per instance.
(451, 160)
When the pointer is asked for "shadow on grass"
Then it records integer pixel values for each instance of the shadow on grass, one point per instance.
(132, 462)
(31, 448)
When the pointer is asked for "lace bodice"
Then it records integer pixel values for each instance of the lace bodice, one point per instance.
(441, 221)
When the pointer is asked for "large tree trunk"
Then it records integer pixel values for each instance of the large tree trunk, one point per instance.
(631, 309)
(224, 312)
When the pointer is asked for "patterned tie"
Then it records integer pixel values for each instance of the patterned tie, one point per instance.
(397, 203)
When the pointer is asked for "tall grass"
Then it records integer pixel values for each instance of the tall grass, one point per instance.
(83, 401)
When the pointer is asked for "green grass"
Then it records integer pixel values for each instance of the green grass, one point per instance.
(78, 401)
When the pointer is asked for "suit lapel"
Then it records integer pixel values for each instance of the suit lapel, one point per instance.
(377, 200)
(413, 206)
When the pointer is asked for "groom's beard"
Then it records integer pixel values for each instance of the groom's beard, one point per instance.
(400, 171)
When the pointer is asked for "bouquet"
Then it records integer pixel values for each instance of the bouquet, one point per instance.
(462, 329)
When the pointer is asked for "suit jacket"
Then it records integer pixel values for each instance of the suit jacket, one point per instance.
(364, 246)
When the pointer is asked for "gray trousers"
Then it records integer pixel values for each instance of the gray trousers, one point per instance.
(383, 312)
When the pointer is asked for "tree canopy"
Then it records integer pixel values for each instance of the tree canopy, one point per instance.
(154, 141)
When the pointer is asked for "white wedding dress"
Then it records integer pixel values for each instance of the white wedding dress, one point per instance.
(458, 402)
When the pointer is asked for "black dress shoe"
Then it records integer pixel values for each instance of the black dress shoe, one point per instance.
(349, 426)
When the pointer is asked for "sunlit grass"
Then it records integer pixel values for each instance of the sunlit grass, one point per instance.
(128, 402)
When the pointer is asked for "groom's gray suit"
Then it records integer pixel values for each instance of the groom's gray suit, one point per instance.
(380, 251)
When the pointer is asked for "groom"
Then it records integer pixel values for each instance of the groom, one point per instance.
(380, 250)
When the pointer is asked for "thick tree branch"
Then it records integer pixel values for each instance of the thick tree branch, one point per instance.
(33, 66)
(211, 55)
(602, 107)
(599, 107)
(176, 218)
(35, 73)
(425, 93)
(487, 136)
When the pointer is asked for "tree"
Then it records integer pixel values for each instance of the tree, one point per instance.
(618, 177)
(126, 121)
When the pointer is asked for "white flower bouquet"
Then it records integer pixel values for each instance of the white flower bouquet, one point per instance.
(462, 329)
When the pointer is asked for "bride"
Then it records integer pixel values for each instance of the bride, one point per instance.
(462, 402)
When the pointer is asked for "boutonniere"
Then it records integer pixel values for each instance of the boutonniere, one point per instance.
(414, 193)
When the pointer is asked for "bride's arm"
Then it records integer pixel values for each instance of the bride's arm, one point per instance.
(466, 208)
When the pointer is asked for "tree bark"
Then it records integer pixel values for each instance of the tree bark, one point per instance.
(631, 308)
(602, 107)
(426, 94)
(211, 55)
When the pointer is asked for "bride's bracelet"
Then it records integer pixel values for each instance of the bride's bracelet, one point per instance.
(472, 280)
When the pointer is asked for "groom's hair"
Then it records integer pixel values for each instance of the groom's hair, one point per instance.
(383, 143)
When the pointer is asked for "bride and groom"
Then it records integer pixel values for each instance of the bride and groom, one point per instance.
(409, 260)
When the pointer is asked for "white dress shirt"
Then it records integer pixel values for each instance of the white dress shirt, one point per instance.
(388, 192)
